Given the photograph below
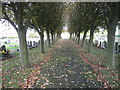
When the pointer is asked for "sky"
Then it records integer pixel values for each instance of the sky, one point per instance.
(7, 30)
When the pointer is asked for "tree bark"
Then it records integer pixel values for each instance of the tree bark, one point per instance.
(42, 42)
(90, 45)
(111, 42)
(78, 38)
(70, 35)
(118, 67)
(52, 37)
(48, 39)
(24, 58)
(57, 34)
(84, 36)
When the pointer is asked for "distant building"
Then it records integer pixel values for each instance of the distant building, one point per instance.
(6, 40)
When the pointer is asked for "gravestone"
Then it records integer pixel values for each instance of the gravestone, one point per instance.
(105, 44)
(96, 43)
(30, 45)
(5, 42)
(39, 42)
(45, 41)
(34, 44)
(87, 41)
(99, 45)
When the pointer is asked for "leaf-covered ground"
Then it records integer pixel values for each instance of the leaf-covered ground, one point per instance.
(66, 69)
(65, 65)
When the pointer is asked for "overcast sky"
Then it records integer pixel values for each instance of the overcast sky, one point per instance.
(7, 30)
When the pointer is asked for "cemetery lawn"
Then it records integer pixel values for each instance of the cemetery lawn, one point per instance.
(12, 75)
(61, 66)
(12, 46)
(99, 58)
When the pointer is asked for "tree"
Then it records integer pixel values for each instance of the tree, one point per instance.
(37, 22)
(111, 13)
(93, 11)
(18, 15)
(75, 25)
(55, 20)
(46, 18)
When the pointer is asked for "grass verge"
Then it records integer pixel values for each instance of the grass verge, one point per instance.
(12, 75)
(99, 57)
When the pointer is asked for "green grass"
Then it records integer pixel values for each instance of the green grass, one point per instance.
(12, 47)
(12, 44)
(110, 77)
(99, 56)
(12, 75)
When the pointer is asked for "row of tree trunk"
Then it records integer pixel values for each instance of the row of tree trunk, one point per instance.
(111, 42)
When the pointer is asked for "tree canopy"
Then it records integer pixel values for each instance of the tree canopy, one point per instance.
(49, 17)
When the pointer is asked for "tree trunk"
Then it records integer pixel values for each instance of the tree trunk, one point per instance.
(119, 59)
(75, 37)
(42, 42)
(70, 35)
(78, 36)
(84, 36)
(48, 38)
(52, 37)
(90, 45)
(57, 34)
(24, 58)
(111, 42)
(118, 67)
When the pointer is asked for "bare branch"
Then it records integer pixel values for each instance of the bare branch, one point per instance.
(9, 20)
